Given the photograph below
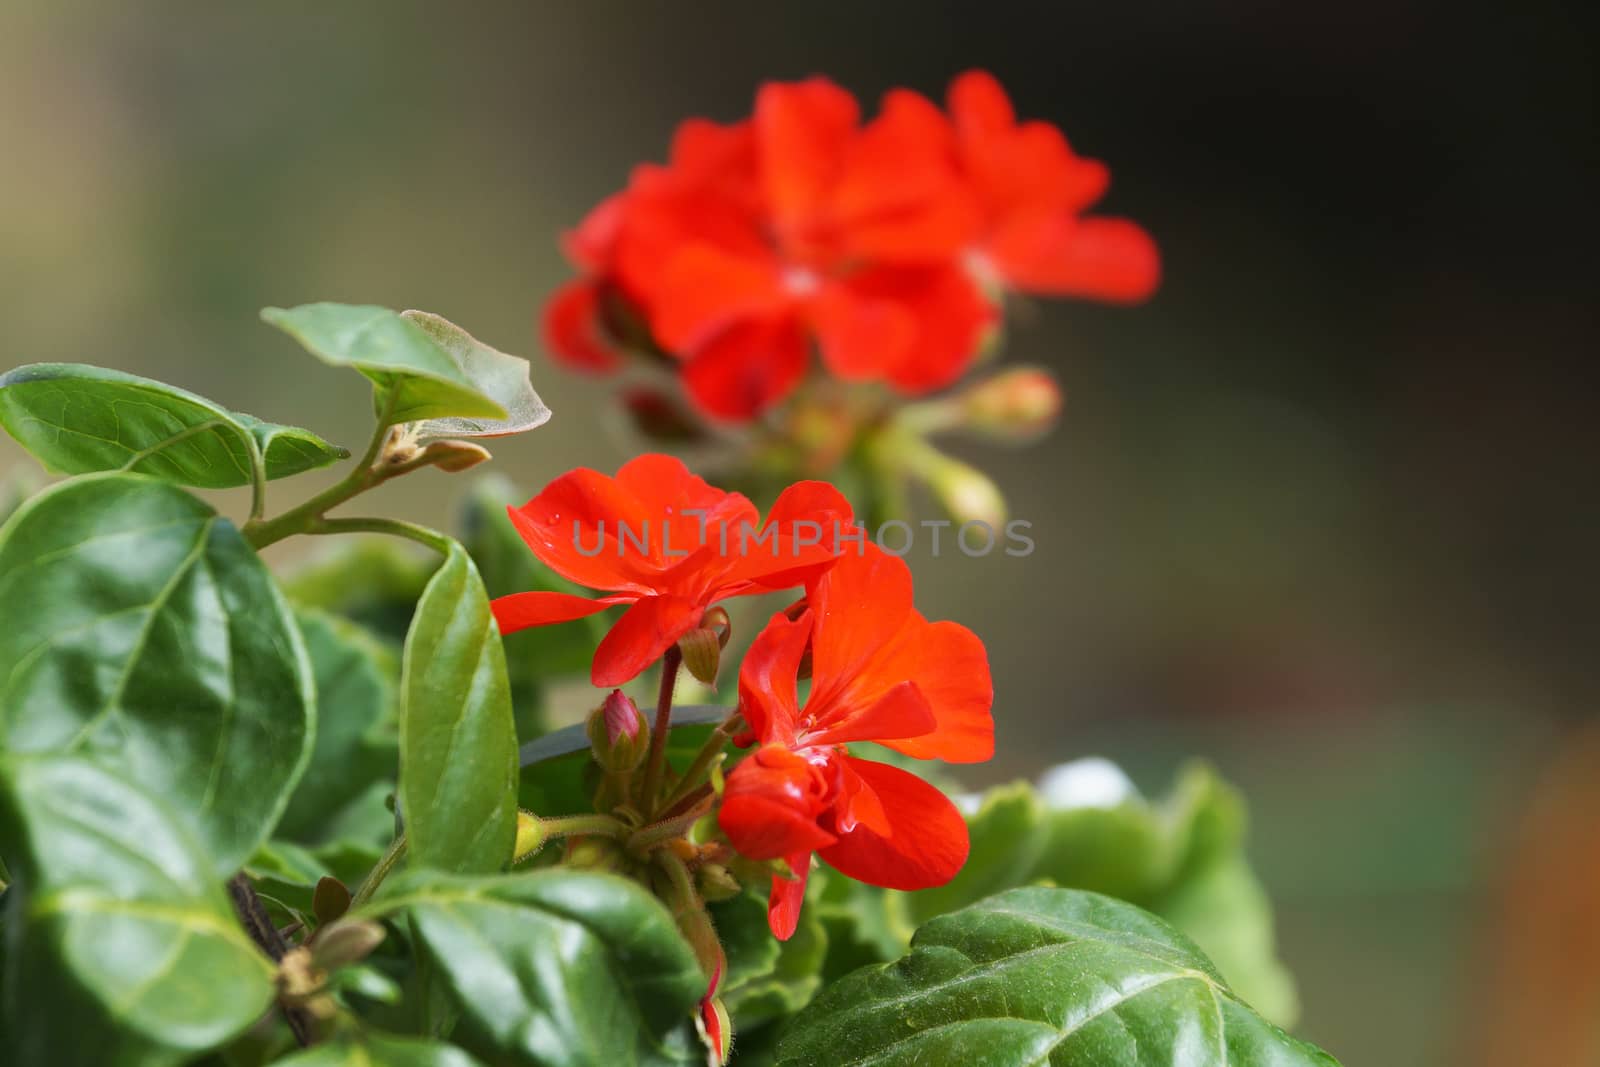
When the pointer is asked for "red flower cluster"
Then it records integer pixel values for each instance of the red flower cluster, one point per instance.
(879, 672)
(670, 546)
(880, 243)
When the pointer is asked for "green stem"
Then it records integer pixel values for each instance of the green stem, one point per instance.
(650, 836)
(702, 761)
(582, 826)
(367, 473)
(397, 849)
(658, 738)
(396, 527)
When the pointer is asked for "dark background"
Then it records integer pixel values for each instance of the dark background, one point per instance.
(1323, 512)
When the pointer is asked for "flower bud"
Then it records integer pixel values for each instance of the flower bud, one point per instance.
(966, 493)
(702, 653)
(716, 1030)
(618, 733)
(716, 882)
(594, 854)
(344, 943)
(530, 836)
(1017, 405)
(455, 456)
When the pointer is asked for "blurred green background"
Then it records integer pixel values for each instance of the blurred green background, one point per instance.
(1323, 512)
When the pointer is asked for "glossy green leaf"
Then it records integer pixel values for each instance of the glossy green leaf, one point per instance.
(502, 378)
(1041, 976)
(379, 1050)
(121, 946)
(352, 767)
(1182, 858)
(154, 640)
(77, 419)
(555, 967)
(458, 744)
(413, 378)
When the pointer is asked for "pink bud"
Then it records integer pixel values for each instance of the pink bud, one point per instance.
(622, 716)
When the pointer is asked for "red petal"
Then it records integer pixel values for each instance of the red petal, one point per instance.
(860, 337)
(951, 669)
(639, 638)
(767, 695)
(979, 105)
(591, 243)
(771, 803)
(927, 842)
(747, 368)
(573, 331)
(782, 559)
(786, 898)
(705, 289)
(573, 527)
(902, 712)
(1100, 258)
(950, 313)
(802, 132)
(518, 611)
(859, 604)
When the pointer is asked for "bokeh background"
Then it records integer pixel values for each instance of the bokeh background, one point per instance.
(1323, 512)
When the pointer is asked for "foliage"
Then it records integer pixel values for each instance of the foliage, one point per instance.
(251, 820)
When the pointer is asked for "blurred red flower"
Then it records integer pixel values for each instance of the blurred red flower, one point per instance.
(873, 242)
(669, 546)
(879, 672)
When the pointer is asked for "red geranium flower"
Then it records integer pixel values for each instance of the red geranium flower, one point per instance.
(667, 544)
(1032, 189)
(880, 672)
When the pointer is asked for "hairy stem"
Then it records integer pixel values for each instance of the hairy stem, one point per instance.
(703, 760)
(658, 739)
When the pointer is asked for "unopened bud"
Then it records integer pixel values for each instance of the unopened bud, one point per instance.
(966, 493)
(594, 854)
(716, 882)
(702, 653)
(618, 733)
(345, 942)
(455, 456)
(660, 417)
(530, 836)
(716, 1030)
(1017, 405)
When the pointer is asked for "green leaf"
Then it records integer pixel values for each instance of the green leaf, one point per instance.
(555, 967)
(121, 947)
(458, 744)
(155, 640)
(502, 378)
(1041, 976)
(1182, 858)
(352, 768)
(77, 419)
(365, 1049)
(766, 979)
(413, 378)
(556, 766)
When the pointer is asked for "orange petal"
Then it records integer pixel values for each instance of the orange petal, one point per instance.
(767, 696)
(645, 631)
(573, 331)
